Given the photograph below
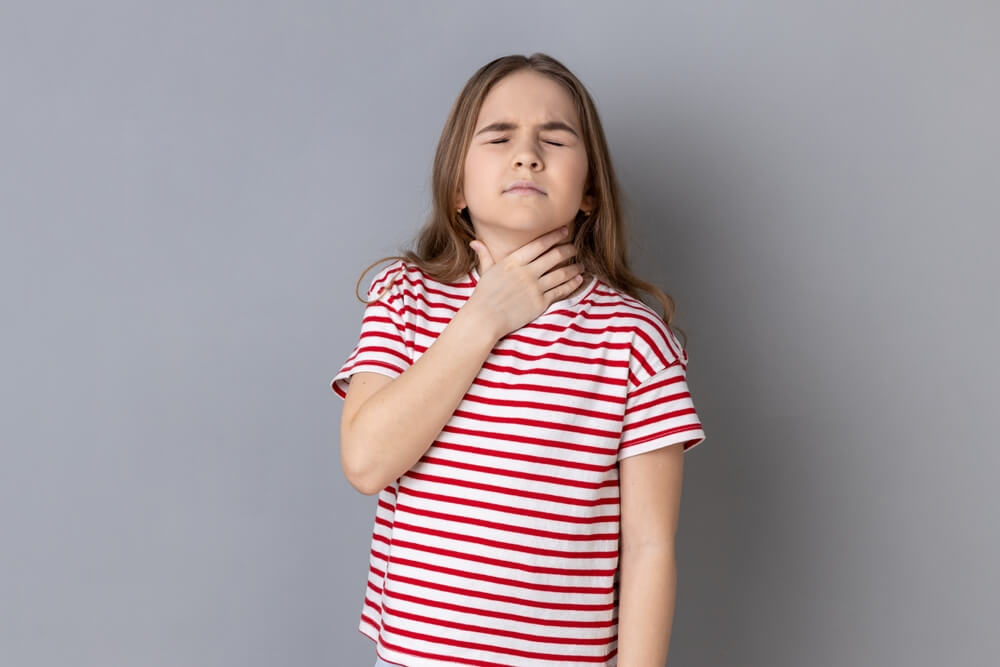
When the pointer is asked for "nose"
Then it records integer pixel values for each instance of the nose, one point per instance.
(527, 154)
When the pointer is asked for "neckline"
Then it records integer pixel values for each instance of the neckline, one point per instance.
(566, 302)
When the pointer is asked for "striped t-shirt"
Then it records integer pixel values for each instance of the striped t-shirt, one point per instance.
(500, 545)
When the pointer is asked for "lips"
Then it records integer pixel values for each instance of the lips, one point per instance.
(524, 186)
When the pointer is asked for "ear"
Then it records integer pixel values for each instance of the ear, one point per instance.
(587, 203)
(460, 200)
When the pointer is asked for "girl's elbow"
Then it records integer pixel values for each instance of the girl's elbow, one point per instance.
(365, 487)
(361, 482)
(357, 472)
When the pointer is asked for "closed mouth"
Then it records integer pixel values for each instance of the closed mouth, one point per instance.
(525, 185)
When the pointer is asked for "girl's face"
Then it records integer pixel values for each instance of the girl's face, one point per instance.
(527, 129)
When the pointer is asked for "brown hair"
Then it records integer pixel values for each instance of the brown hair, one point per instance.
(443, 250)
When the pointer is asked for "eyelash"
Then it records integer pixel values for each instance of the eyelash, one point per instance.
(498, 141)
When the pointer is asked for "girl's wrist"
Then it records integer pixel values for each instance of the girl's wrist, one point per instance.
(476, 326)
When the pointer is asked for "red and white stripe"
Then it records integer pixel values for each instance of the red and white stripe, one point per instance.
(500, 545)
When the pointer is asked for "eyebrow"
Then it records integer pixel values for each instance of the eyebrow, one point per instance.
(501, 126)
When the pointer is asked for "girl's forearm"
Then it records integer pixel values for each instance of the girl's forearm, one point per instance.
(648, 590)
(397, 424)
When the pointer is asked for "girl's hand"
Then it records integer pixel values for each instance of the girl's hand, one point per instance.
(517, 289)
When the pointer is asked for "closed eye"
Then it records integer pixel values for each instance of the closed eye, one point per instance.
(500, 141)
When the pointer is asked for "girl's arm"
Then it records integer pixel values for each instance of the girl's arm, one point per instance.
(388, 423)
(650, 491)
(398, 419)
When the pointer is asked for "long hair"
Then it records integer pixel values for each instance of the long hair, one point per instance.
(600, 238)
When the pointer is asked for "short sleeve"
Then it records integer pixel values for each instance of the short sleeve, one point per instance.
(660, 412)
(381, 346)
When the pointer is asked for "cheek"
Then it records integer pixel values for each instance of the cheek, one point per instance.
(472, 167)
(580, 167)
(573, 167)
(477, 172)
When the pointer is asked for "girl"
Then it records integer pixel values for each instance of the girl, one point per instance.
(520, 413)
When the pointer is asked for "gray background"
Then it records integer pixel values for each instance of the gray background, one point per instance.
(190, 190)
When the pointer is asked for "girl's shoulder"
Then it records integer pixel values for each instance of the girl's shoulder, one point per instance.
(403, 276)
(654, 345)
(388, 283)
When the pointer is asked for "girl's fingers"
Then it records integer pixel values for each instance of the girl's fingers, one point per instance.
(566, 280)
(485, 257)
(531, 250)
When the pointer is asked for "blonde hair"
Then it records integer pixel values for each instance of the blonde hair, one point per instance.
(443, 250)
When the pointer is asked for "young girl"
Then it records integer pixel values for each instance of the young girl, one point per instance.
(520, 413)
